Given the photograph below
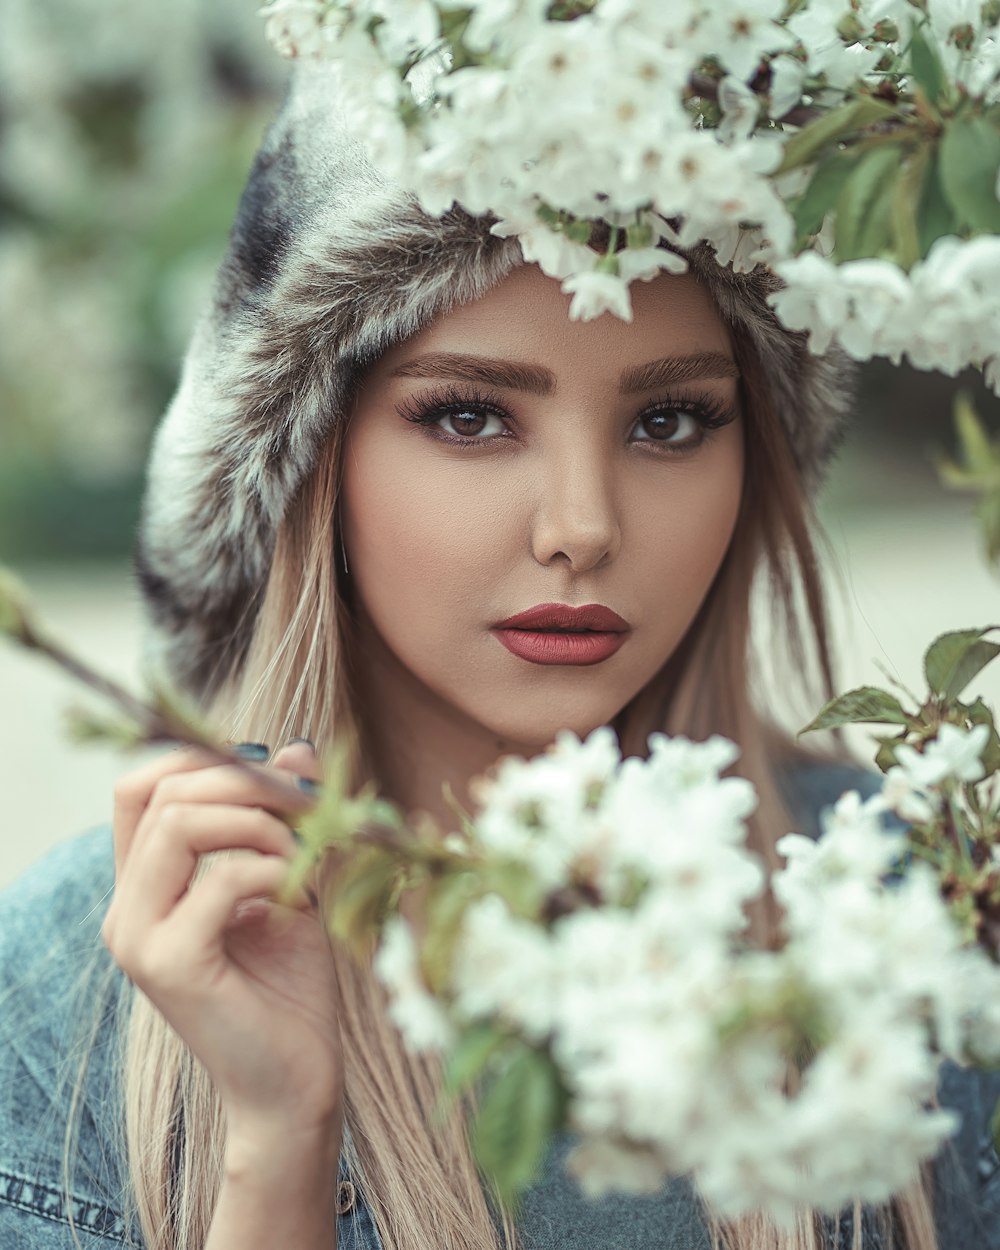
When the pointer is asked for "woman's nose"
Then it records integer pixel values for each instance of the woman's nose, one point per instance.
(577, 513)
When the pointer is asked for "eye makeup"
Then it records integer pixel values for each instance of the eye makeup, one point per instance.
(469, 404)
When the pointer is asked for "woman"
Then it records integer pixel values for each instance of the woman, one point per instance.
(390, 444)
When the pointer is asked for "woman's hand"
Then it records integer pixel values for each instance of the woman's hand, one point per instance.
(247, 983)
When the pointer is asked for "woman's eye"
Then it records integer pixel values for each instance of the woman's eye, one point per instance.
(470, 423)
(669, 425)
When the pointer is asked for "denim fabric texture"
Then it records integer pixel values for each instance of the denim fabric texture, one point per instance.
(59, 992)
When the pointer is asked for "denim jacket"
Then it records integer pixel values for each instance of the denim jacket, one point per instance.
(59, 990)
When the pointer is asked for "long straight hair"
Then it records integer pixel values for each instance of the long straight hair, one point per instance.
(417, 1177)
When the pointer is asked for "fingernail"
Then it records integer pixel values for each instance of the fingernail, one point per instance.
(253, 752)
(308, 786)
(306, 742)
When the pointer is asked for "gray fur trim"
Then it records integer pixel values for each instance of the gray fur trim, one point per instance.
(327, 266)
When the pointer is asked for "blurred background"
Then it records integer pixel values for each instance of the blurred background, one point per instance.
(125, 136)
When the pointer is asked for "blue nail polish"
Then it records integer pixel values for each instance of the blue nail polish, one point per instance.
(308, 786)
(306, 742)
(252, 752)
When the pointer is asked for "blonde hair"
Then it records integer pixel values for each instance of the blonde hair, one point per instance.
(420, 1181)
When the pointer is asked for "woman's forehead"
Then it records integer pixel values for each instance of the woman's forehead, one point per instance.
(525, 318)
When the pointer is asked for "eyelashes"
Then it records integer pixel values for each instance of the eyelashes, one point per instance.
(452, 401)
(708, 413)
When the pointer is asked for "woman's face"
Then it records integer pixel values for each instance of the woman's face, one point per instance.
(506, 457)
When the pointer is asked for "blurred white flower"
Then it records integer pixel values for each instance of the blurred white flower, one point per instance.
(954, 754)
(603, 1166)
(503, 970)
(910, 802)
(419, 1017)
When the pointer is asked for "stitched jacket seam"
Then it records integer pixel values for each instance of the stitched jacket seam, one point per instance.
(95, 1218)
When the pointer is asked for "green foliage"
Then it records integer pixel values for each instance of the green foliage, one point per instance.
(864, 206)
(950, 663)
(831, 128)
(969, 160)
(519, 1114)
(977, 470)
(957, 829)
(447, 902)
(366, 884)
(927, 69)
(979, 714)
(821, 195)
(517, 885)
(15, 615)
(934, 216)
(906, 197)
(471, 1056)
(955, 658)
(867, 704)
(995, 1127)
(86, 727)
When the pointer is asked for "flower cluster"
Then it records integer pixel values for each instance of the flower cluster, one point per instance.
(941, 315)
(776, 1079)
(763, 128)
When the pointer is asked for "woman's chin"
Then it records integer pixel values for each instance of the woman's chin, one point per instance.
(534, 736)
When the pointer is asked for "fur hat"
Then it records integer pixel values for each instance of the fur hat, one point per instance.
(328, 265)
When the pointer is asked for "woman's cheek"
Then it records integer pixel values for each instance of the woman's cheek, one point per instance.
(418, 530)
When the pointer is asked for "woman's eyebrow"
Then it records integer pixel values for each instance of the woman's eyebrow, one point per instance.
(672, 369)
(514, 375)
(521, 375)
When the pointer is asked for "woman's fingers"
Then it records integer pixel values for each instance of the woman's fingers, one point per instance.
(159, 870)
(134, 790)
(299, 758)
(178, 956)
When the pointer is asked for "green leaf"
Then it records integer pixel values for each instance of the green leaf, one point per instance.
(806, 144)
(516, 1120)
(861, 226)
(977, 450)
(867, 704)
(935, 218)
(87, 727)
(926, 66)
(979, 469)
(905, 201)
(821, 195)
(518, 885)
(988, 516)
(995, 1127)
(361, 898)
(447, 902)
(14, 607)
(969, 160)
(885, 756)
(470, 1056)
(980, 714)
(955, 658)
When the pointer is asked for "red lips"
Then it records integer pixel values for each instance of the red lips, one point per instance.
(557, 634)
(593, 616)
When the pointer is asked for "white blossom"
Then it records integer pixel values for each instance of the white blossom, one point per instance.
(503, 970)
(416, 1013)
(603, 1166)
(910, 802)
(597, 292)
(588, 116)
(954, 754)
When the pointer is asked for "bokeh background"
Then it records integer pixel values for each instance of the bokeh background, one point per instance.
(125, 134)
